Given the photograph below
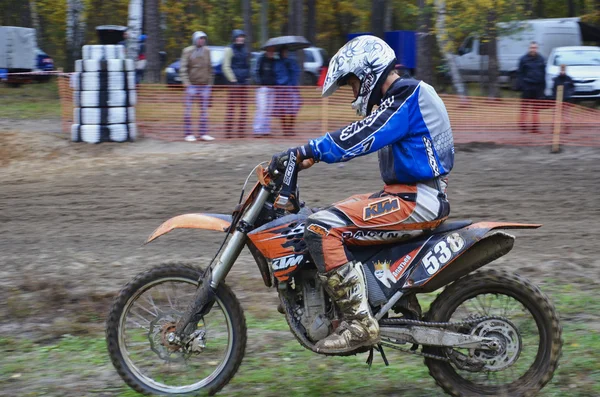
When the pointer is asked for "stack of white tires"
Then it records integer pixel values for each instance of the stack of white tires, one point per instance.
(104, 96)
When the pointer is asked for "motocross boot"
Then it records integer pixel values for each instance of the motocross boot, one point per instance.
(346, 285)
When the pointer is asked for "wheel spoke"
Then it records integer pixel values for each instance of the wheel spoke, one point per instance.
(163, 366)
(495, 304)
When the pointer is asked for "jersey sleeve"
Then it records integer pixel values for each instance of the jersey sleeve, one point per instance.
(388, 124)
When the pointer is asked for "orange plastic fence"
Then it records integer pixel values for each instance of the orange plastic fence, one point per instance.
(299, 113)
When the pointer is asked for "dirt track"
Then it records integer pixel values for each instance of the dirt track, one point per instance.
(73, 216)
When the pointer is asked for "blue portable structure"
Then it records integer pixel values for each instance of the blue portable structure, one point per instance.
(404, 44)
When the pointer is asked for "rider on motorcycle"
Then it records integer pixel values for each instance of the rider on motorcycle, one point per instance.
(411, 131)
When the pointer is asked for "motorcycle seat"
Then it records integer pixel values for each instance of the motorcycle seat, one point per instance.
(449, 226)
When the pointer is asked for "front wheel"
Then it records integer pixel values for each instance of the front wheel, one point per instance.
(141, 325)
(525, 324)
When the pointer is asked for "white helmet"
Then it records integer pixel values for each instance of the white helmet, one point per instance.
(368, 58)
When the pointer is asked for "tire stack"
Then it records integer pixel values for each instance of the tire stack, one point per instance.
(104, 96)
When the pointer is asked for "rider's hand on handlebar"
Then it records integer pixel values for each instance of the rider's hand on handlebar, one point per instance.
(279, 160)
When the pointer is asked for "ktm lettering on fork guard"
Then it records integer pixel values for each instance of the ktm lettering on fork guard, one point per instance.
(200, 306)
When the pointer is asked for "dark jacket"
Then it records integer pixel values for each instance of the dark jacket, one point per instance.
(532, 72)
(266, 71)
(567, 82)
(235, 64)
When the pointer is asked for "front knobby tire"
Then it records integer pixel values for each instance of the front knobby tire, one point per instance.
(495, 283)
(181, 273)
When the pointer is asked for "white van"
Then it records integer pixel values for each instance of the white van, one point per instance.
(472, 58)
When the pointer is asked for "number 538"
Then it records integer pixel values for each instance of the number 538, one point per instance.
(442, 252)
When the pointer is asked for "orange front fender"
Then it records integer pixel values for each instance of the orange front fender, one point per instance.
(218, 222)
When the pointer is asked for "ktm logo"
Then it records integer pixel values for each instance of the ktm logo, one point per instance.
(286, 262)
(318, 229)
(381, 208)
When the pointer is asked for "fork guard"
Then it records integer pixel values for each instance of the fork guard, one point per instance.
(217, 222)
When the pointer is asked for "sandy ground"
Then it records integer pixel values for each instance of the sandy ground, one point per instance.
(73, 217)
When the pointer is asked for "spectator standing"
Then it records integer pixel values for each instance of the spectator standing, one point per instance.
(265, 95)
(568, 91)
(237, 71)
(197, 76)
(288, 100)
(531, 74)
(140, 65)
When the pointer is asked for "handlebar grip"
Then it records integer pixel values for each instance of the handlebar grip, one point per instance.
(290, 179)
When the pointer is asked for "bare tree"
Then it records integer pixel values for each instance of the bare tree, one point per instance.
(571, 5)
(378, 8)
(247, 9)
(35, 22)
(311, 21)
(424, 44)
(152, 17)
(388, 17)
(75, 31)
(492, 35)
(442, 39)
(540, 8)
(528, 8)
(264, 30)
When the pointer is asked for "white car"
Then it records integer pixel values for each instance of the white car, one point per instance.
(583, 66)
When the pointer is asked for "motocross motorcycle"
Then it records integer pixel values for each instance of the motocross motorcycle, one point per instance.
(180, 330)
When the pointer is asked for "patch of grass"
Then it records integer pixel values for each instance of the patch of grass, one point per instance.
(30, 101)
(276, 364)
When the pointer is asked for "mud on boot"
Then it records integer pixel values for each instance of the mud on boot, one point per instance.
(346, 285)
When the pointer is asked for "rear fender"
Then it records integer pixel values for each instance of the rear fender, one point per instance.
(447, 257)
(218, 222)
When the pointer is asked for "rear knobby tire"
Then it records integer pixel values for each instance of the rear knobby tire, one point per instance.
(542, 310)
(230, 304)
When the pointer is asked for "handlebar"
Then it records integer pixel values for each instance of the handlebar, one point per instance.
(289, 183)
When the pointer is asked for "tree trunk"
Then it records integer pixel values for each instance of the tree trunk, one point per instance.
(134, 23)
(311, 21)
(35, 22)
(443, 43)
(378, 18)
(528, 8)
(264, 27)
(481, 69)
(540, 8)
(24, 14)
(571, 5)
(389, 13)
(152, 16)
(424, 44)
(492, 35)
(75, 32)
(247, 10)
(299, 31)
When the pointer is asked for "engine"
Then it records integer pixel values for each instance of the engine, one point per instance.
(313, 308)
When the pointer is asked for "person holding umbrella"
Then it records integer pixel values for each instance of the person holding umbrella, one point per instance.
(264, 95)
(268, 76)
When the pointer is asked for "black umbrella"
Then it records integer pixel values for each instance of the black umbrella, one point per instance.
(292, 42)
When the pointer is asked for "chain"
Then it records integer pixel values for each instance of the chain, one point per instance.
(415, 352)
(406, 321)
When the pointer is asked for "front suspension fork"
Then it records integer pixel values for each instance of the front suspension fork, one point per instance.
(208, 284)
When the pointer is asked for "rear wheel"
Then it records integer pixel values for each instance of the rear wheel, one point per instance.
(141, 324)
(529, 335)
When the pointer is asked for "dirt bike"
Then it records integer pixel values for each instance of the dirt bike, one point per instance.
(177, 329)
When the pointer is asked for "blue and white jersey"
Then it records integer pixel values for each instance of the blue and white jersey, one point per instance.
(410, 129)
